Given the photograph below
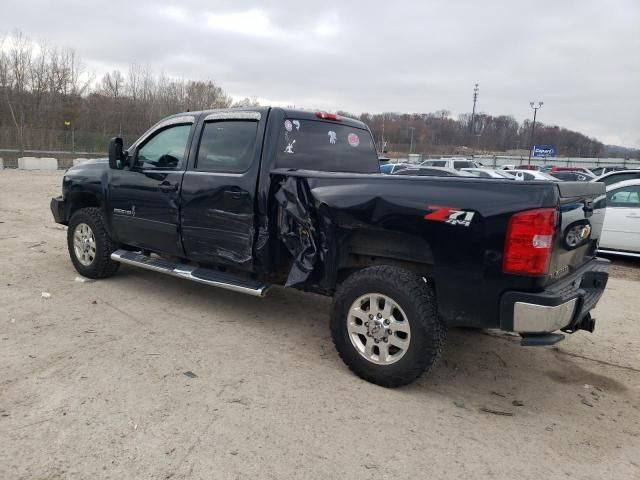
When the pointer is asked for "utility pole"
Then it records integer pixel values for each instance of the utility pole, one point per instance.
(411, 144)
(476, 91)
(533, 126)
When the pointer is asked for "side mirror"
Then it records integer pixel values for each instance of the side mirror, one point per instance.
(115, 153)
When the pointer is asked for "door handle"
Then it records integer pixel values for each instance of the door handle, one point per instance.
(168, 187)
(236, 193)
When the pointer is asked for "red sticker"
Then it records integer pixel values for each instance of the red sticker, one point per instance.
(452, 216)
(354, 140)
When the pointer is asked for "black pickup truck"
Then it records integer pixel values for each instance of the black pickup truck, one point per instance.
(246, 198)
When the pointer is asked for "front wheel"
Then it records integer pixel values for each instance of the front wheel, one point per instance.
(385, 325)
(89, 243)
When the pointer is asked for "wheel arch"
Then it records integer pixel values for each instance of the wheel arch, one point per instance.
(79, 200)
(366, 247)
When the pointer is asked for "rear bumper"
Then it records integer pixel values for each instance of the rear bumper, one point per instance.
(564, 305)
(57, 209)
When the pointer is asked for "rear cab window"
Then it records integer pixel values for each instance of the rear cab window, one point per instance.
(326, 146)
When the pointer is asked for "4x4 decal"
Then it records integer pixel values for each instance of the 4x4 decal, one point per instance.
(450, 215)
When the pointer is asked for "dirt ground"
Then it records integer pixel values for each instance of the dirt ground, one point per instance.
(148, 376)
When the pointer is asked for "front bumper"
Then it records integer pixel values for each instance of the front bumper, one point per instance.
(564, 305)
(58, 211)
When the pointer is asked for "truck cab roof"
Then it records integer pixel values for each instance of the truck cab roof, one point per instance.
(300, 114)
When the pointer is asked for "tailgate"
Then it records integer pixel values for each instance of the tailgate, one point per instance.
(582, 210)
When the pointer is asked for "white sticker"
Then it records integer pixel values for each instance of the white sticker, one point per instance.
(296, 123)
(288, 126)
(289, 147)
(354, 140)
(332, 136)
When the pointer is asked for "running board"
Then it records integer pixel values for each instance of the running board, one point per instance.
(190, 272)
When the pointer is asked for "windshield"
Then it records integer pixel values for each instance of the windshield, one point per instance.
(326, 146)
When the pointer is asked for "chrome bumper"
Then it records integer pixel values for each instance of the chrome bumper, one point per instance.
(533, 318)
(564, 305)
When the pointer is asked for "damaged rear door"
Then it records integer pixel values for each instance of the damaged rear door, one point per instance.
(218, 190)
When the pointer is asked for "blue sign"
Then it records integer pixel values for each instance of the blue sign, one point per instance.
(544, 151)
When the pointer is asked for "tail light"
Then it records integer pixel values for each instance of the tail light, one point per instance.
(529, 242)
(328, 116)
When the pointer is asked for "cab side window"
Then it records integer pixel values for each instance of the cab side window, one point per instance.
(165, 150)
(227, 146)
(624, 197)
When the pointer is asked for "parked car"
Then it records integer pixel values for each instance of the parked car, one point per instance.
(571, 169)
(243, 199)
(527, 167)
(598, 171)
(390, 168)
(508, 167)
(455, 162)
(572, 176)
(433, 172)
(489, 173)
(621, 229)
(618, 176)
(528, 175)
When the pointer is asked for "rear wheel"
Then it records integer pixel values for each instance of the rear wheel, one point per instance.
(90, 246)
(385, 325)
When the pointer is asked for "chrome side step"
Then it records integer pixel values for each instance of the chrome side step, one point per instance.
(190, 272)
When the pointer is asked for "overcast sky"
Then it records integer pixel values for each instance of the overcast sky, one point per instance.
(581, 57)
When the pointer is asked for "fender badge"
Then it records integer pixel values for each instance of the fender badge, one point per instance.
(450, 215)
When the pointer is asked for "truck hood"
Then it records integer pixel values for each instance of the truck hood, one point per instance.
(93, 164)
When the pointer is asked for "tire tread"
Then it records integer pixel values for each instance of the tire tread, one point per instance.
(103, 266)
(428, 322)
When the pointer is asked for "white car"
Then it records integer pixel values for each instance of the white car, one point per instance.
(618, 176)
(489, 173)
(454, 162)
(522, 175)
(621, 230)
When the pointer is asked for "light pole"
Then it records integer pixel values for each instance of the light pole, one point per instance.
(411, 144)
(476, 91)
(533, 126)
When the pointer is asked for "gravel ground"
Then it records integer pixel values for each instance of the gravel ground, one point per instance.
(147, 376)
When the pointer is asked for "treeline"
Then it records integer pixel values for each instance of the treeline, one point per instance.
(49, 101)
(441, 134)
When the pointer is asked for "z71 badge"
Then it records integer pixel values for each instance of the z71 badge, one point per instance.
(450, 215)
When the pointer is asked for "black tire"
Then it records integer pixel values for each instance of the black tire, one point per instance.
(417, 300)
(101, 266)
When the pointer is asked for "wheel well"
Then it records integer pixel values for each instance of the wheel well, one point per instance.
(82, 200)
(366, 248)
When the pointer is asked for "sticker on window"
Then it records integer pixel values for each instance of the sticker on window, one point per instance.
(289, 147)
(296, 123)
(354, 140)
(332, 137)
(288, 126)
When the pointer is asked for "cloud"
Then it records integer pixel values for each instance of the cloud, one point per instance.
(253, 23)
(578, 56)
